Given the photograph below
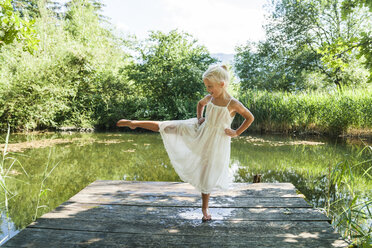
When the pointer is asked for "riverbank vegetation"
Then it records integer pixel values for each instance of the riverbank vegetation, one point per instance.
(333, 112)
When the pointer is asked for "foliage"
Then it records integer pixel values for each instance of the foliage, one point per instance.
(7, 165)
(79, 75)
(331, 112)
(13, 27)
(303, 38)
(349, 6)
(32, 9)
(75, 78)
(356, 213)
(168, 74)
(269, 67)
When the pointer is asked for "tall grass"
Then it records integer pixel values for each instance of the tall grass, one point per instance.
(330, 112)
(4, 177)
(7, 163)
(351, 216)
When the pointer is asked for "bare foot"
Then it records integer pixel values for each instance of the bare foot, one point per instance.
(206, 215)
(125, 123)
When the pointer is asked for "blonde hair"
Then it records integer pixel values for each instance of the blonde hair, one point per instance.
(217, 74)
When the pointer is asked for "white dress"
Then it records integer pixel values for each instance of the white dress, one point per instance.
(200, 154)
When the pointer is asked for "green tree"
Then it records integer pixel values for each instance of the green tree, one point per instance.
(305, 38)
(270, 67)
(95, 6)
(75, 78)
(168, 74)
(317, 26)
(349, 7)
(13, 27)
(31, 8)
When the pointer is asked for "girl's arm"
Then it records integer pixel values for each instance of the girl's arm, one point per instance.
(249, 118)
(200, 108)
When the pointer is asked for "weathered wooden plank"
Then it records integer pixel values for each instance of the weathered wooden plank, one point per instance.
(183, 185)
(168, 214)
(187, 201)
(123, 212)
(185, 189)
(40, 238)
(320, 229)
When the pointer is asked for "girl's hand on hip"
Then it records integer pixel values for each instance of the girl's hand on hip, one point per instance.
(230, 132)
(201, 120)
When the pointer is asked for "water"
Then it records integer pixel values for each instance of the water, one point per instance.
(59, 165)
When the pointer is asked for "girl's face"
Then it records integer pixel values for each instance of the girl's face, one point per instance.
(213, 88)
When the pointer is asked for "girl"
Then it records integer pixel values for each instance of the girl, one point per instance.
(199, 148)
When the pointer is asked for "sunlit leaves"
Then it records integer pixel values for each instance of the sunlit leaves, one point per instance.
(13, 27)
(307, 38)
(333, 54)
(168, 74)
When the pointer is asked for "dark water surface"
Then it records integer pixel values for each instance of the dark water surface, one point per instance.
(59, 165)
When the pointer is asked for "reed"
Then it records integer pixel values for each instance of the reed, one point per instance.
(6, 164)
(351, 216)
(333, 112)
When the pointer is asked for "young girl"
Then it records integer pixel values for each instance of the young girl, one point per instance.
(199, 148)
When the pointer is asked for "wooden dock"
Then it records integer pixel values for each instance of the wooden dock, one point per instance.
(168, 214)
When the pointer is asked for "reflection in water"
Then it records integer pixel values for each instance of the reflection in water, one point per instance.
(7, 227)
(84, 158)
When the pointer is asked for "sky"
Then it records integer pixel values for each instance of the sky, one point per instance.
(220, 25)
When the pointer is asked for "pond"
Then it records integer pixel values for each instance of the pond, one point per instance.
(52, 167)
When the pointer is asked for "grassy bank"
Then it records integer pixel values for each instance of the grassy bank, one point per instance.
(349, 111)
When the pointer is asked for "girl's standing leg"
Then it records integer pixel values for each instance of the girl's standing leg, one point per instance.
(150, 125)
(205, 209)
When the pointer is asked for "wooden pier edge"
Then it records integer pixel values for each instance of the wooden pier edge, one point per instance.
(168, 214)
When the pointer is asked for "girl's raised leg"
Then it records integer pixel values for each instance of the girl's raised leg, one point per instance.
(205, 209)
(150, 125)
